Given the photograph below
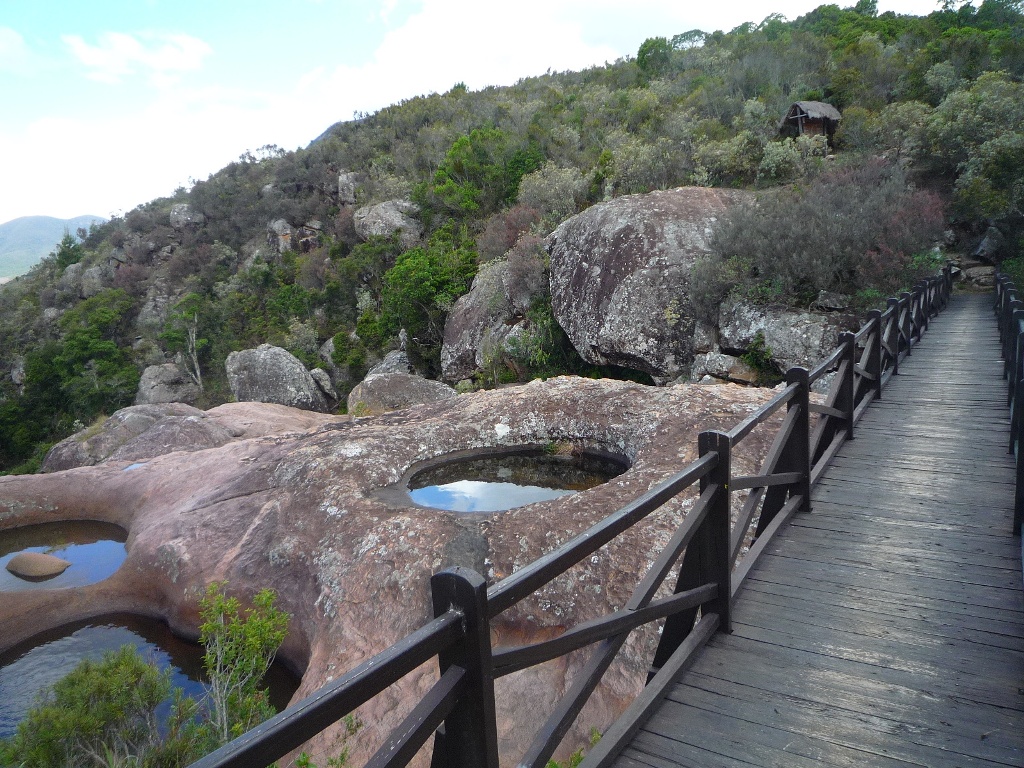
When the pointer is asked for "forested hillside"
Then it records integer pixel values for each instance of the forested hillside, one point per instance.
(267, 249)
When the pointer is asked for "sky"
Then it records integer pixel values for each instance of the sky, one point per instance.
(112, 103)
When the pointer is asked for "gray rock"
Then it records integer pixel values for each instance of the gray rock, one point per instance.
(482, 322)
(71, 277)
(395, 361)
(18, 371)
(385, 219)
(347, 183)
(270, 374)
(155, 308)
(722, 366)
(830, 301)
(183, 216)
(323, 380)
(171, 426)
(620, 277)
(990, 246)
(793, 337)
(279, 235)
(393, 391)
(95, 280)
(165, 383)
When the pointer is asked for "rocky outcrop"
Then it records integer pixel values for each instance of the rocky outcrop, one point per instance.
(620, 276)
(303, 513)
(184, 217)
(165, 383)
(384, 392)
(144, 431)
(721, 366)
(385, 219)
(396, 361)
(270, 374)
(347, 183)
(279, 235)
(482, 322)
(790, 337)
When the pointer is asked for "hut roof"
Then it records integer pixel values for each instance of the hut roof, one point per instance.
(818, 110)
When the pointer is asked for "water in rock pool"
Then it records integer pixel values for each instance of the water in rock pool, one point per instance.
(95, 550)
(29, 668)
(505, 481)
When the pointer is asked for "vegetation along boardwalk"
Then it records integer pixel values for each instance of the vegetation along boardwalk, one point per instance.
(886, 626)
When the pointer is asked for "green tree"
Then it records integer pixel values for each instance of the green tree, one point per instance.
(69, 251)
(653, 57)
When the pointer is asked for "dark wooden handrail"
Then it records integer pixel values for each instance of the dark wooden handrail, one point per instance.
(1009, 310)
(708, 553)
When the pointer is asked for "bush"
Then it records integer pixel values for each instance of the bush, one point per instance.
(104, 713)
(853, 228)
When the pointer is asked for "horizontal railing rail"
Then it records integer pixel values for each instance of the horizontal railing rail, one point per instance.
(1009, 308)
(711, 551)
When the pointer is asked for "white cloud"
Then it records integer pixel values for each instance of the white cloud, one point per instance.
(15, 56)
(118, 55)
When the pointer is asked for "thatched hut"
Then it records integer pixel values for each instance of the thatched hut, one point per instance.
(814, 118)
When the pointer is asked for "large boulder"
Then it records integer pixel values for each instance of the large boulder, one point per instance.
(165, 383)
(279, 235)
(791, 337)
(347, 183)
(270, 374)
(304, 513)
(620, 276)
(395, 361)
(384, 392)
(387, 218)
(95, 280)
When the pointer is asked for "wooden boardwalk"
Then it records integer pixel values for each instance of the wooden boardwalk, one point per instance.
(885, 627)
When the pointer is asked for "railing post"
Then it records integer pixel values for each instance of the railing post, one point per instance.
(469, 736)
(893, 304)
(801, 444)
(846, 400)
(1016, 359)
(714, 543)
(1010, 336)
(906, 299)
(874, 361)
(707, 556)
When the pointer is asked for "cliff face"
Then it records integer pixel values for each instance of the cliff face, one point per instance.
(299, 508)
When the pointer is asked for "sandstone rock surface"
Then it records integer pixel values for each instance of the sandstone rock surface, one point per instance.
(36, 565)
(143, 431)
(270, 374)
(304, 513)
(165, 383)
(620, 276)
(387, 218)
(384, 392)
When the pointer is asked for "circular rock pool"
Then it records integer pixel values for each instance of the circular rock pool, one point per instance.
(94, 550)
(501, 481)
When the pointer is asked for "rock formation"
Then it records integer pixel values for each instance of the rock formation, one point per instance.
(793, 337)
(165, 383)
(184, 217)
(270, 374)
(303, 513)
(481, 322)
(620, 276)
(383, 392)
(385, 219)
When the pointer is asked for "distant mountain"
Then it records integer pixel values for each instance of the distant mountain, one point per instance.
(24, 241)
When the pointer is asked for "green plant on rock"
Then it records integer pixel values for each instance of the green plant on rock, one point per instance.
(759, 358)
(103, 713)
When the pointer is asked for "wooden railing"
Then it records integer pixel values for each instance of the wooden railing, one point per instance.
(459, 711)
(1009, 309)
